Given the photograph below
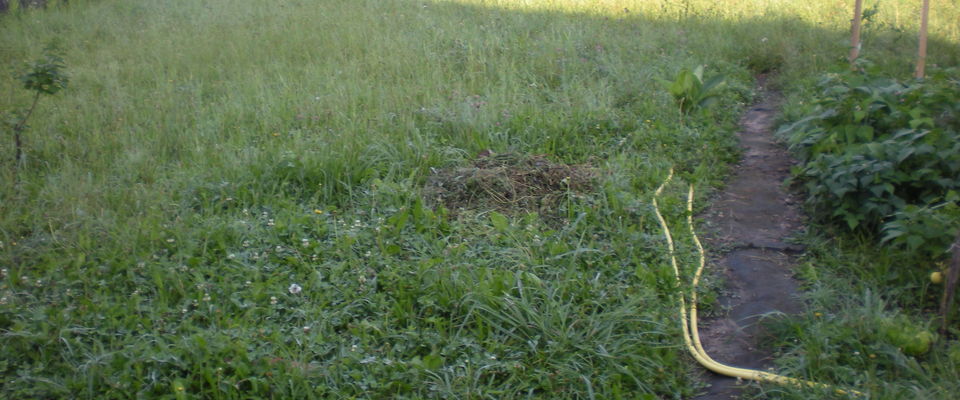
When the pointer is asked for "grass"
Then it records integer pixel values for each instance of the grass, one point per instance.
(209, 155)
(860, 298)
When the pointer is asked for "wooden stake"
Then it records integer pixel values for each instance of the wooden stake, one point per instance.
(922, 52)
(950, 286)
(855, 32)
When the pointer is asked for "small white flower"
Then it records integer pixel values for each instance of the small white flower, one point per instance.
(231, 256)
(306, 329)
(294, 288)
(304, 242)
(171, 240)
(273, 300)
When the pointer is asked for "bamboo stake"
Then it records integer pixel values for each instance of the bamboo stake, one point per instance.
(922, 52)
(855, 32)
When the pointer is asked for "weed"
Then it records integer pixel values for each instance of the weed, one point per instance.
(691, 92)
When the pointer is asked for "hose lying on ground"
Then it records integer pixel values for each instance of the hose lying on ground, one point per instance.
(691, 336)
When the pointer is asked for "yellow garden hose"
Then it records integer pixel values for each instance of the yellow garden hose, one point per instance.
(691, 336)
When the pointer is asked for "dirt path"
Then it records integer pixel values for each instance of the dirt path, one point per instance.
(751, 219)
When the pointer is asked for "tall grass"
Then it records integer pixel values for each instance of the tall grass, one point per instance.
(209, 154)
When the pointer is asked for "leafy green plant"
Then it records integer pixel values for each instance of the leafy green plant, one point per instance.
(45, 76)
(691, 92)
(877, 151)
(924, 229)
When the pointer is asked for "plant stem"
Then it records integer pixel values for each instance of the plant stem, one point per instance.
(18, 129)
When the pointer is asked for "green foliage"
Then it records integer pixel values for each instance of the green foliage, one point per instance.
(870, 147)
(46, 75)
(213, 153)
(691, 92)
(860, 330)
(924, 230)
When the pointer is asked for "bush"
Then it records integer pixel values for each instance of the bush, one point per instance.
(878, 154)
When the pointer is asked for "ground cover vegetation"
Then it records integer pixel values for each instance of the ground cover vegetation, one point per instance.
(239, 199)
(878, 162)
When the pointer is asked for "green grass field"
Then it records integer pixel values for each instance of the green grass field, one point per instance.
(228, 199)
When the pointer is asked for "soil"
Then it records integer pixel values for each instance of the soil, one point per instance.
(750, 221)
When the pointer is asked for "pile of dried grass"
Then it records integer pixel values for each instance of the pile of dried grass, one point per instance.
(508, 182)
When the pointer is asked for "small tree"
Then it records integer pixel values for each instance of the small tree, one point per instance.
(44, 77)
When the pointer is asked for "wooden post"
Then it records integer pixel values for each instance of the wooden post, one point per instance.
(950, 286)
(922, 52)
(855, 31)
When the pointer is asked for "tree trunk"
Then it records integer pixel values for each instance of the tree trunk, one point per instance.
(855, 31)
(922, 51)
(950, 286)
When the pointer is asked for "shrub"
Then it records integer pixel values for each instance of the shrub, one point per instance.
(880, 154)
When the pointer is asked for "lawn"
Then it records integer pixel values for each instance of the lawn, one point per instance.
(242, 199)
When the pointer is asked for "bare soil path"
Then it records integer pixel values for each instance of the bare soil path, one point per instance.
(751, 219)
